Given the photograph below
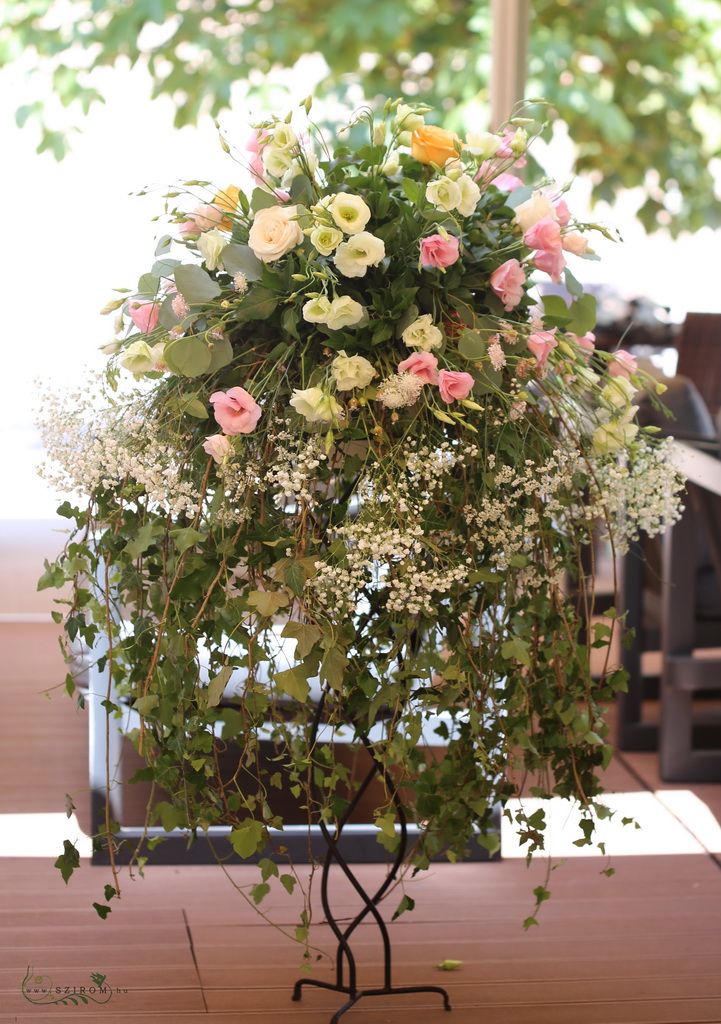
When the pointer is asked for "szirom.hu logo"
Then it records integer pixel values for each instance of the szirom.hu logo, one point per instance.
(40, 990)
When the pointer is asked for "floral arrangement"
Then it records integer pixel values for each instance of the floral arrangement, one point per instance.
(341, 444)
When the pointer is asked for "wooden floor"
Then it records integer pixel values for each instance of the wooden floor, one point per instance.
(181, 945)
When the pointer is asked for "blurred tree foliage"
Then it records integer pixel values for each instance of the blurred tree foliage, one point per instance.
(638, 83)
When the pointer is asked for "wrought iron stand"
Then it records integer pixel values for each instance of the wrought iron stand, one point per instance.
(345, 956)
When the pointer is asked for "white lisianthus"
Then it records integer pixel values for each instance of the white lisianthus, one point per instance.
(210, 246)
(344, 312)
(392, 164)
(470, 194)
(454, 168)
(274, 232)
(316, 310)
(484, 145)
(407, 120)
(519, 142)
(613, 435)
(138, 357)
(326, 239)
(296, 168)
(316, 406)
(443, 193)
(276, 161)
(352, 258)
(423, 334)
(533, 210)
(618, 393)
(351, 371)
(219, 446)
(586, 377)
(351, 213)
(283, 137)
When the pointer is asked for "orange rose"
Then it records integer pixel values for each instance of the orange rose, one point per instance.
(435, 145)
(227, 200)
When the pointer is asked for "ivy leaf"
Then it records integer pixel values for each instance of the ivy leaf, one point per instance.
(143, 539)
(144, 705)
(293, 576)
(247, 838)
(387, 824)
(516, 649)
(259, 891)
(195, 284)
(305, 635)
(102, 912)
(268, 869)
(406, 903)
(68, 860)
(288, 883)
(332, 667)
(186, 537)
(216, 687)
(294, 682)
(267, 601)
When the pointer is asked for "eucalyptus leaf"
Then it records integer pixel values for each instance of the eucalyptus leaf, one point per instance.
(240, 259)
(195, 284)
(188, 357)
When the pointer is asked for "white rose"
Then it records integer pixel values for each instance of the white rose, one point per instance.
(352, 258)
(210, 246)
(484, 145)
(316, 311)
(351, 371)
(533, 210)
(351, 213)
(326, 239)
(344, 312)
(316, 406)
(138, 357)
(443, 193)
(470, 194)
(575, 243)
(274, 232)
(219, 446)
(407, 119)
(283, 137)
(422, 334)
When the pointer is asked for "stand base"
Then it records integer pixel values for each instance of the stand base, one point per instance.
(360, 993)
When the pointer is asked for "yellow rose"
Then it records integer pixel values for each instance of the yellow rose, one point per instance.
(227, 200)
(431, 145)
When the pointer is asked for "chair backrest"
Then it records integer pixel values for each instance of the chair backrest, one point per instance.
(699, 355)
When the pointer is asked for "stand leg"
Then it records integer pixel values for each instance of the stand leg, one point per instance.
(370, 903)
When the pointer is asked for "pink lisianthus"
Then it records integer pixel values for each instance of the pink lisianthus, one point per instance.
(562, 212)
(218, 446)
(454, 384)
(587, 342)
(235, 411)
(489, 174)
(575, 243)
(423, 364)
(623, 364)
(541, 343)
(507, 282)
(551, 263)
(437, 251)
(144, 315)
(507, 182)
(505, 150)
(545, 234)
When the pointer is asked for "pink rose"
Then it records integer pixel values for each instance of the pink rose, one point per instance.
(236, 412)
(623, 364)
(541, 343)
(206, 217)
(144, 315)
(507, 282)
(423, 364)
(437, 251)
(454, 384)
(562, 212)
(551, 263)
(545, 234)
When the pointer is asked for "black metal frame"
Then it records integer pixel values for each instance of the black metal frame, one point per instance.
(344, 952)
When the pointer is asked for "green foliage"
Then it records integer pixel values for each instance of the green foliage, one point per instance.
(636, 82)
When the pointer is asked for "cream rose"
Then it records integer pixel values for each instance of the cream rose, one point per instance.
(344, 312)
(533, 210)
(422, 334)
(443, 193)
(316, 406)
(210, 246)
(470, 194)
(326, 239)
(352, 258)
(274, 232)
(351, 371)
(351, 213)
